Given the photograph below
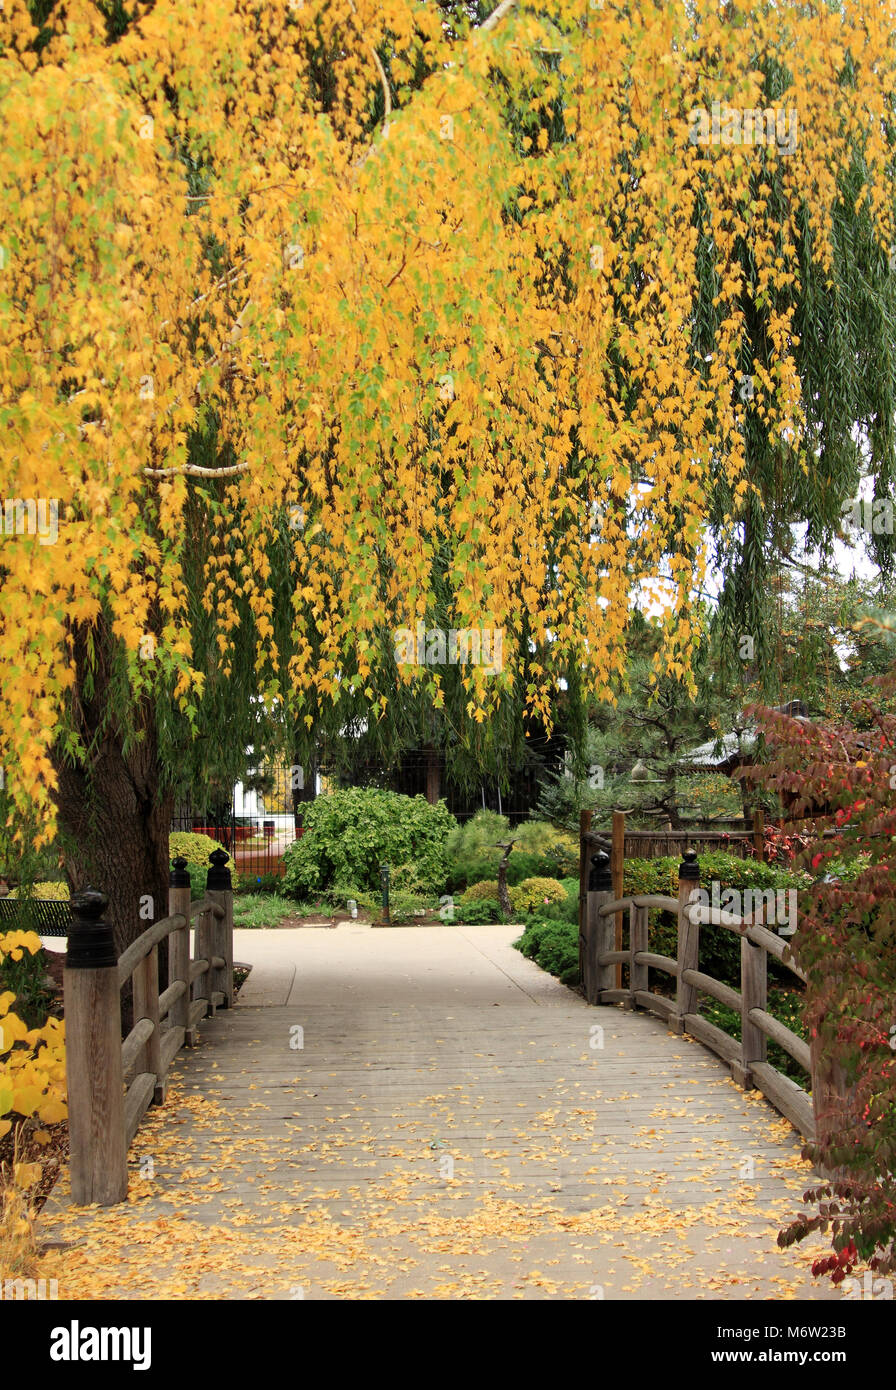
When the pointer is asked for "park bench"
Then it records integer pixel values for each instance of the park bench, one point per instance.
(49, 917)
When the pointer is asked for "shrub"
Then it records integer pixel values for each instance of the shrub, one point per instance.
(540, 849)
(32, 1061)
(46, 892)
(488, 888)
(552, 945)
(556, 851)
(23, 969)
(533, 893)
(471, 849)
(196, 850)
(350, 833)
(480, 913)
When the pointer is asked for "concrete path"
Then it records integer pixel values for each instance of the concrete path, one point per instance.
(422, 1113)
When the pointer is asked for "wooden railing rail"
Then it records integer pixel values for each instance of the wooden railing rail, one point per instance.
(104, 1116)
(600, 957)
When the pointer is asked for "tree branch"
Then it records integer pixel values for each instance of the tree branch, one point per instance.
(193, 470)
(496, 16)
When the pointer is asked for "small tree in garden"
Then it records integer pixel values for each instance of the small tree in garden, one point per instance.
(844, 776)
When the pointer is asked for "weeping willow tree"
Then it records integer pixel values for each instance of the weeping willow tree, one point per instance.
(321, 321)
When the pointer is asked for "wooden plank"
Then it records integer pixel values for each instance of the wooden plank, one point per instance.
(655, 1003)
(783, 1036)
(709, 985)
(170, 996)
(146, 1005)
(172, 1042)
(612, 957)
(655, 900)
(204, 905)
(198, 1010)
(133, 1043)
(707, 1033)
(656, 962)
(614, 905)
(205, 949)
(139, 949)
(617, 875)
(136, 1103)
(754, 984)
(786, 1096)
(637, 935)
(775, 945)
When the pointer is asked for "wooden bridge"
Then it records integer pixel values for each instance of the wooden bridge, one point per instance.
(424, 1113)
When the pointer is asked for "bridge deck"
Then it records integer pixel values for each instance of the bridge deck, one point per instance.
(447, 1130)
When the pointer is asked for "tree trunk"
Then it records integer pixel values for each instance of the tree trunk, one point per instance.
(113, 817)
(302, 795)
(433, 775)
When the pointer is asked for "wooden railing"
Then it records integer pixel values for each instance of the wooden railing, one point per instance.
(111, 1083)
(600, 957)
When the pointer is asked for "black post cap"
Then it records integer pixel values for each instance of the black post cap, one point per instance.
(179, 878)
(600, 879)
(91, 942)
(689, 868)
(218, 877)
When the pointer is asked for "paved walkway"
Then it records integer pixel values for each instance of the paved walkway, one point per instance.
(422, 1113)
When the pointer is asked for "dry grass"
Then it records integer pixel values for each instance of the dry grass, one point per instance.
(18, 1244)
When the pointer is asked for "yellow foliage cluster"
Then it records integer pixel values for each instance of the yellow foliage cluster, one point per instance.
(455, 356)
(32, 1060)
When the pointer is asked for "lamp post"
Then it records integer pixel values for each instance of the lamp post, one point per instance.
(384, 883)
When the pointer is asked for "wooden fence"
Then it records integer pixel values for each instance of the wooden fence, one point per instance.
(600, 956)
(111, 1083)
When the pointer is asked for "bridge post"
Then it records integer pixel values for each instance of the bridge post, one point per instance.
(219, 888)
(753, 990)
(599, 931)
(98, 1163)
(688, 942)
(179, 949)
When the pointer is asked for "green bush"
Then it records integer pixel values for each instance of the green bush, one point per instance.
(540, 850)
(552, 945)
(481, 913)
(531, 894)
(350, 833)
(196, 849)
(556, 851)
(471, 849)
(487, 888)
